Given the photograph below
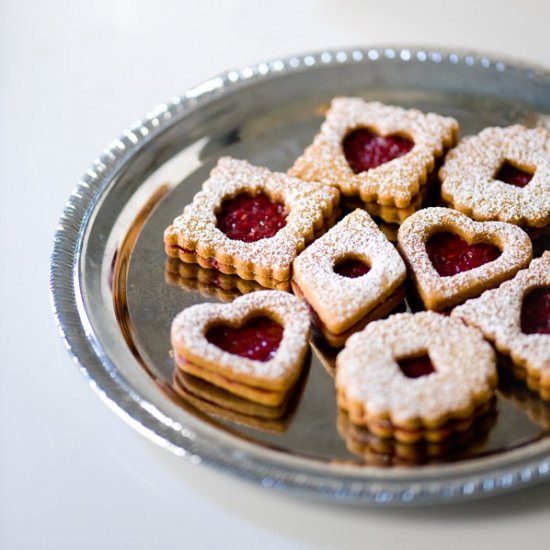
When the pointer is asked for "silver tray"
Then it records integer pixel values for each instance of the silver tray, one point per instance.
(114, 295)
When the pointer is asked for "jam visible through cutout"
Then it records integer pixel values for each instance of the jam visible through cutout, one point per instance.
(415, 367)
(250, 218)
(450, 254)
(508, 173)
(351, 268)
(365, 149)
(535, 312)
(258, 339)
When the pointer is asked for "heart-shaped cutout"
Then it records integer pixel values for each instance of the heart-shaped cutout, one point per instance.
(451, 254)
(535, 311)
(253, 347)
(249, 218)
(365, 149)
(515, 317)
(257, 339)
(453, 258)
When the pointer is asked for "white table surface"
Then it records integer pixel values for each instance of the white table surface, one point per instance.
(72, 76)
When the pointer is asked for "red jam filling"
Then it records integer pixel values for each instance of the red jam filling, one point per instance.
(450, 254)
(364, 149)
(512, 175)
(351, 268)
(250, 218)
(415, 367)
(535, 312)
(258, 339)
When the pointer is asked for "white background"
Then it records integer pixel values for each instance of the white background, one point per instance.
(73, 75)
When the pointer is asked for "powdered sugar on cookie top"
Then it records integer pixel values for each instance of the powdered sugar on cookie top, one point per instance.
(394, 183)
(369, 379)
(309, 205)
(340, 302)
(189, 340)
(497, 313)
(442, 292)
(468, 176)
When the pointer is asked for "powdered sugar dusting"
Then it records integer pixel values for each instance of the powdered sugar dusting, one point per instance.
(497, 313)
(468, 176)
(190, 326)
(442, 292)
(338, 301)
(394, 183)
(371, 384)
(308, 205)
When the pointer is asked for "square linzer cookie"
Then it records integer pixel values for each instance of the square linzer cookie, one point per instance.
(416, 377)
(501, 174)
(349, 276)
(251, 222)
(516, 318)
(382, 154)
(253, 347)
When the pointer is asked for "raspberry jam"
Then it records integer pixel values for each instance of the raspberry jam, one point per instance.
(415, 367)
(351, 268)
(250, 218)
(450, 254)
(535, 312)
(512, 175)
(258, 339)
(364, 149)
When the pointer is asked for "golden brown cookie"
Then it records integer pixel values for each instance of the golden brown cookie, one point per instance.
(253, 347)
(250, 221)
(380, 153)
(453, 258)
(516, 318)
(349, 276)
(414, 377)
(501, 174)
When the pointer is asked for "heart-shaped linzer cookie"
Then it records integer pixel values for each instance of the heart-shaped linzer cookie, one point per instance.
(453, 258)
(365, 149)
(253, 347)
(516, 318)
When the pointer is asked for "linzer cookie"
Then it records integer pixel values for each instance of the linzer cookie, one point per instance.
(253, 347)
(382, 154)
(453, 258)
(501, 174)
(349, 276)
(250, 221)
(416, 377)
(516, 318)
